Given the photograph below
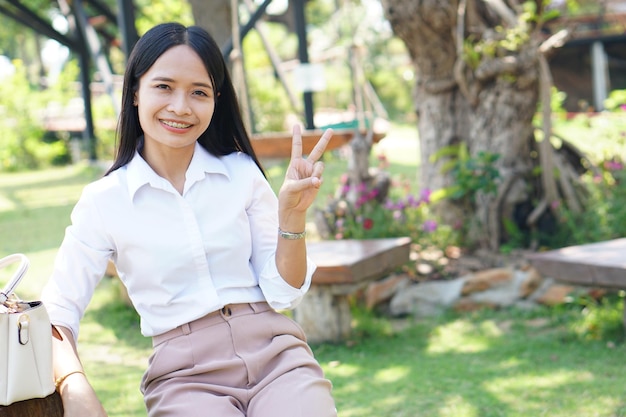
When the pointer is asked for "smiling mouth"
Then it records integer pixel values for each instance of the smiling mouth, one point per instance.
(175, 125)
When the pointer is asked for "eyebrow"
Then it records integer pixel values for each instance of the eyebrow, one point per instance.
(171, 80)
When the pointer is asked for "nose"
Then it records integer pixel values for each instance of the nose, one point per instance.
(179, 104)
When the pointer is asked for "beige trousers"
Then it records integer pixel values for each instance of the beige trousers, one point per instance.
(245, 360)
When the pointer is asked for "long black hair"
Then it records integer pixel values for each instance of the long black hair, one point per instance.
(226, 132)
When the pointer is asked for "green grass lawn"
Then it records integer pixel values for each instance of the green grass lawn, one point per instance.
(506, 363)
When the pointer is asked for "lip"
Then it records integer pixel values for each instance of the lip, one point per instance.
(175, 125)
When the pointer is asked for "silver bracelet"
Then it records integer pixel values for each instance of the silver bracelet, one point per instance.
(290, 235)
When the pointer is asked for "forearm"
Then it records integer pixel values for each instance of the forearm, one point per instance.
(291, 253)
(79, 398)
(65, 355)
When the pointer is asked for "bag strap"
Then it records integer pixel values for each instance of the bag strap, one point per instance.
(17, 276)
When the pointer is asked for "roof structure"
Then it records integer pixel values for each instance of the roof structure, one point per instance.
(93, 30)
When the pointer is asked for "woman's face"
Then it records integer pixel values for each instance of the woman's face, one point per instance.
(175, 99)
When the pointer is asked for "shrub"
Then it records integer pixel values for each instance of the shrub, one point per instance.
(381, 209)
(605, 215)
(22, 142)
(616, 101)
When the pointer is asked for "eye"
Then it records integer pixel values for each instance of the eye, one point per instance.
(201, 93)
(162, 86)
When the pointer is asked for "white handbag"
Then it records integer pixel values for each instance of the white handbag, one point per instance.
(25, 342)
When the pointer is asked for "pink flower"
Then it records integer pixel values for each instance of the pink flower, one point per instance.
(368, 224)
(425, 195)
(411, 201)
(383, 163)
(613, 165)
(429, 226)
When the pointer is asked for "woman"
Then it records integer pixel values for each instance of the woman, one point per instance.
(205, 249)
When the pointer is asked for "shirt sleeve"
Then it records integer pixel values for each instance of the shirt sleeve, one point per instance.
(279, 294)
(263, 214)
(79, 266)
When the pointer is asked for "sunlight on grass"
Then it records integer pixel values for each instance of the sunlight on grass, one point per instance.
(58, 195)
(32, 190)
(392, 374)
(456, 405)
(352, 388)
(554, 379)
(531, 391)
(510, 363)
(6, 204)
(24, 179)
(393, 401)
(463, 336)
(342, 370)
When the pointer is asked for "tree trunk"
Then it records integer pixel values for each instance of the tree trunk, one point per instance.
(214, 16)
(488, 106)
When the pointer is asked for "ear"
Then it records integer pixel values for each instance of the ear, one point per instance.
(135, 100)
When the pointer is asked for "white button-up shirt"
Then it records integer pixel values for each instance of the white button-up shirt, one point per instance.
(180, 256)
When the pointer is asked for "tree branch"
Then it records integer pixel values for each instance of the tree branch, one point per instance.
(489, 69)
(555, 41)
(459, 64)
(545, 148)
(566, 179)
(503, 11)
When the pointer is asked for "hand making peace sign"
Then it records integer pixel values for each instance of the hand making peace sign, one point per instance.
(303, 177)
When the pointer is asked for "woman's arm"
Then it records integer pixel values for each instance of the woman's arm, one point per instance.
(302, 182)
(79, 398)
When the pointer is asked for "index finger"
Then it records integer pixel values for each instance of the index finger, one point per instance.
(320, 146)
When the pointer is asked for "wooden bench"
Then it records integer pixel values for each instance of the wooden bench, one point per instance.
(601, 264)
(343, 267)
(51, 406)
(278, 144)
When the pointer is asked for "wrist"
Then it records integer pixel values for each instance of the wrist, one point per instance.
(289, 235)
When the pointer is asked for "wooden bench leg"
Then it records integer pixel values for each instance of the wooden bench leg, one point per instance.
(324, 315)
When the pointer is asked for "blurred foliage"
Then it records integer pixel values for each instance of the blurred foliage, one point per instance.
(21, 144)
(616, 101)
(605, 215)
(150, 13)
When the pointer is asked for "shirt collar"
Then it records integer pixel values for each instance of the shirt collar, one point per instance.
(139, 173)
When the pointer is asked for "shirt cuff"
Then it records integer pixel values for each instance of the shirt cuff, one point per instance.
(278, 293)
(61, 316)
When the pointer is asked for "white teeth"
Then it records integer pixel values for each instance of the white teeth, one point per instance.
(175, 125)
